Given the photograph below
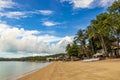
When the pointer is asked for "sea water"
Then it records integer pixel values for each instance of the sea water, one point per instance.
(10, 69)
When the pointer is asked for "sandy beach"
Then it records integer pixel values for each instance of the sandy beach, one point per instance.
(78, 70)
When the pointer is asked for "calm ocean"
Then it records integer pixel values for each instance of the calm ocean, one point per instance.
(12, 69)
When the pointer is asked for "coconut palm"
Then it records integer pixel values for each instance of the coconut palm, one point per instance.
(102, 27)
(80, 39)
(72, 50)
(114, 10)
(91, 35)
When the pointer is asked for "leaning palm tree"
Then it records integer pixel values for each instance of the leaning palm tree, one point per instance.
(114, 10)
(102, 29)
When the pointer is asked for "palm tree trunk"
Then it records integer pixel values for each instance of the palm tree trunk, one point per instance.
(84, 50)
(93, 49)
(118, 46)
(103, 45)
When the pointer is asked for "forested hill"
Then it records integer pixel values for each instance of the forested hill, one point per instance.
(32, 58)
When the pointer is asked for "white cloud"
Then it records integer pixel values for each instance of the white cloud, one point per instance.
(6, 4)
(89, 3)
(15, 14)
(18, 14)
(20, 41)
(106, 3)
(23, 14)
(50, 23)
(61, 45)
(79, 3)
(45, 12)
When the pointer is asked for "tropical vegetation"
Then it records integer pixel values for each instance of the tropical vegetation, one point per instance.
(101, 33)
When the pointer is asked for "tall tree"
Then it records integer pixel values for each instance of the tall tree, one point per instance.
(102, 28)
(92, 38)
(68, 48)
(114, 10)
(91, 34)
(80, 39)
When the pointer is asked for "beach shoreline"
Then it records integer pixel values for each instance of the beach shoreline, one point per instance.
(29, 72)
(99, 70)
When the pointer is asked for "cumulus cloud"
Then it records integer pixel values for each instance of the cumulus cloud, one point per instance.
(50, 23)
(88, 3)
(61, 45)
(20, 41)
(6, 4)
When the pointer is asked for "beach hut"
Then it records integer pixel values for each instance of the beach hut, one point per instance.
(115, 50)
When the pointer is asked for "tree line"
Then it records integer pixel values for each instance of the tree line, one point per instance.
(32, 58)
(101, 33)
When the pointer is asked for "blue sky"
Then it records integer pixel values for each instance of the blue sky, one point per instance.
(40, 27)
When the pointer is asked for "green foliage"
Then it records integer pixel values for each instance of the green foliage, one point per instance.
(100, 34)
(72, 50)
(80, 39)
(115, 7)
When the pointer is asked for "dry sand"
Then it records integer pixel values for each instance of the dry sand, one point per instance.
(100, 70)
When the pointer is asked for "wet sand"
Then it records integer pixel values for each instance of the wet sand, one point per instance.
(78, 70)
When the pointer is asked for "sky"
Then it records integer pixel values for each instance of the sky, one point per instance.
(44, 27)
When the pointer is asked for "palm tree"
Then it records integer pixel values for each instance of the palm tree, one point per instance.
(115, 7)
(101, 27)
(72, 50)
(80, 39)
(114, 10)
(91, 35)
(67, 47)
